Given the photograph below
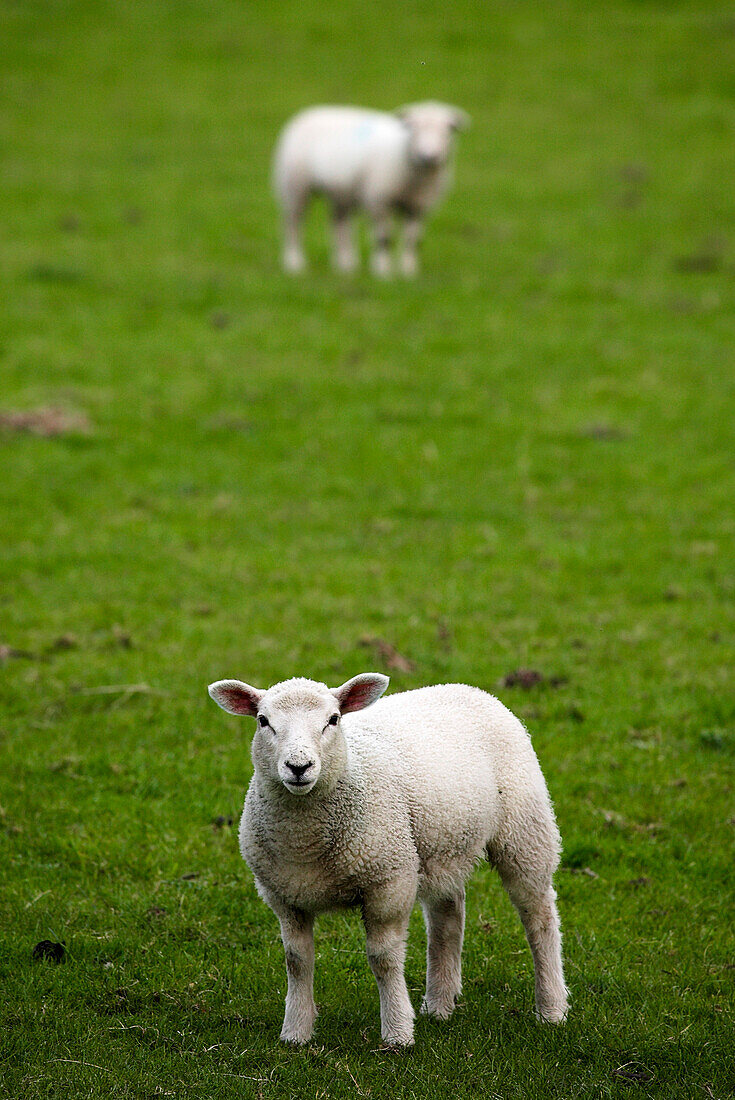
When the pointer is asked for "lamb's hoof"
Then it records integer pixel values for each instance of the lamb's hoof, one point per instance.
(398, 1042)
(441, 1009)
(295, 1040)
(348, 268)
(382, 267)
(294, 263)
(298, 1035)
(553, 1014)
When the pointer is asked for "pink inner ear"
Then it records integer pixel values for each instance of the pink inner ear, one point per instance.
(239, 701)
(358, 698)
(359, 694)
(237, 698)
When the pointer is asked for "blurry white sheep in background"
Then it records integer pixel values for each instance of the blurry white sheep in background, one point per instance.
(385, 164)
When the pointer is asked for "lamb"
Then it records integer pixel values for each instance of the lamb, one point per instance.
(382, 808)
(383, 163)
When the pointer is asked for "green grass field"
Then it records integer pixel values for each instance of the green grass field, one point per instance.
(524, 459)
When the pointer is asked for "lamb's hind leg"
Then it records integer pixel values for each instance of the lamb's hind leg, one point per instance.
(526, 868)
(541, 923)
(444, 931)
(294, 199)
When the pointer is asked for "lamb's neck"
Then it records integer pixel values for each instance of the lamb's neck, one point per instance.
(424, 173)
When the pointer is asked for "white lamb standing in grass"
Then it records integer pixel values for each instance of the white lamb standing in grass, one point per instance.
(383, 163)
(390, 806)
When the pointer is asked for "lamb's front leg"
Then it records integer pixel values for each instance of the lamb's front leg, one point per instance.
(444, 933)
(381, 262)
(386, 926)
(345, 256)
(297, 932)
(412, 233)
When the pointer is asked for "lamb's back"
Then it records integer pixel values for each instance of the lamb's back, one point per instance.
(452, 754)
(453, 724)
(342, 150)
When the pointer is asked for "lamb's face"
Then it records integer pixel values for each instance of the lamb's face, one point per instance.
(431, 132)
(297, 738)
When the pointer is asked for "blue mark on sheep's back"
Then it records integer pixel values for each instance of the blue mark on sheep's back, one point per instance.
(362, 131)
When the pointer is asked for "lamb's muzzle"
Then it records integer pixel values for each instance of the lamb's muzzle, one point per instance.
(299, 769)
(299, 781)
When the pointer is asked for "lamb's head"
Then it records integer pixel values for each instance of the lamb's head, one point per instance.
(298, 737)
(431, 128)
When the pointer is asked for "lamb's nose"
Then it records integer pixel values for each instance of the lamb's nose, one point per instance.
(298, 769)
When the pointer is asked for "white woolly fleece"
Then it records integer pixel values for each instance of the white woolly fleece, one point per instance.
(384, 806)
(383, 163)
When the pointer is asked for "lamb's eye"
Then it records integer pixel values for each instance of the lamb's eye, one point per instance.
(333, 720)
(262, 721)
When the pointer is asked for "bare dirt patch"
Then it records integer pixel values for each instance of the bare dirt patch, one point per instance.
(47, 421)
(388, 654)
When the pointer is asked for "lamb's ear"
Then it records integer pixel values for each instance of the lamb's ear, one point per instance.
(460, 119)
(236, 697)
(360, 691)
(404, 113)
